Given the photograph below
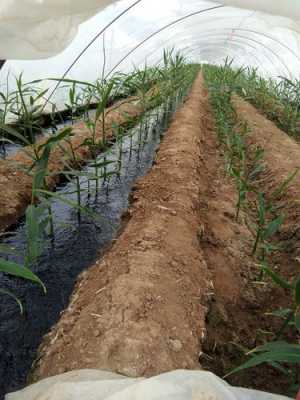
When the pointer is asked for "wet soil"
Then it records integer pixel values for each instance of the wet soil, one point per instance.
(20, 335)
(16, 184)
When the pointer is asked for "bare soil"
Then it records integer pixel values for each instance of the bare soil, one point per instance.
(140, 309)
(282, 158)
(16, 184)
(237, 314)
(178, 288)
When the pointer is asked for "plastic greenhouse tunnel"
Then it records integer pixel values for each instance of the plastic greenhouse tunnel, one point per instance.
(149, 200)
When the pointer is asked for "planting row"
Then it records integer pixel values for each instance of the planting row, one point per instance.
(72, 146)
(263, 162)
(140, 309)
(47, 240)
(278, 98)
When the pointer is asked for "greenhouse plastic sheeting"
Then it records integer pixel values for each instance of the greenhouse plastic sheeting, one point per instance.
(262, 34)
(40, 28)
(32, 29)
(288, 8)
(98, 385)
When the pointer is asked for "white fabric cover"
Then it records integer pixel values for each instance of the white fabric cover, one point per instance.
(33, 29)
(42, 28)
(99, 385)
(287, 8)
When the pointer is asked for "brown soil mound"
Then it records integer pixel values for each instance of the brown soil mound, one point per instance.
(15, 184)
(238, 307)
(282, 158)
(179, 282)
(139, 310)
(281, 151)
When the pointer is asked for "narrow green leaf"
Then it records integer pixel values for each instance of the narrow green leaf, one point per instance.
(71, 203)
(276, 277)
(33, 232)
(280, 313)
(57, 138)
(83, 83)
(42, 94)
(101, 164)
(279, 346)
(4, 248)
(41, 166)
(15, 134)
(297, 292)
(269, 357)
(297, 322)
(4, 140)
(261, 209)
(20, 271)
(285, 184)
(10, 294)
(273, 227)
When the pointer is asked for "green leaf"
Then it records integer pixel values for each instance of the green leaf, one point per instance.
(20, 271)
(33, 232)
(297, 322)
(72, 81)
(41, 166)
(272, 352)
(72, 204)
(273, 227)
(285, 184)
(83, 174)
(256, 170)
(280, 368)
(276, 277)
(42, 94)
(14, 133)
(280, 313)
(270, 247)
(4, 248)
(101, 164)
(278, 346)
(57, 138)
(10, 294)
(297, 292)
(261, 209)
(294, 389)
(4, 140)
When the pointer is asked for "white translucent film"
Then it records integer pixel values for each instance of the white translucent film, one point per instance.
(32, 29)
(260, 34)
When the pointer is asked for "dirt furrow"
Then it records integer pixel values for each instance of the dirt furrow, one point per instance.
(16, 185)
(180, 281)
(238, 305)
(281, 158)
(140, 309)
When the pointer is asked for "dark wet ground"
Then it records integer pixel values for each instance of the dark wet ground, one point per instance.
(75, 247)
